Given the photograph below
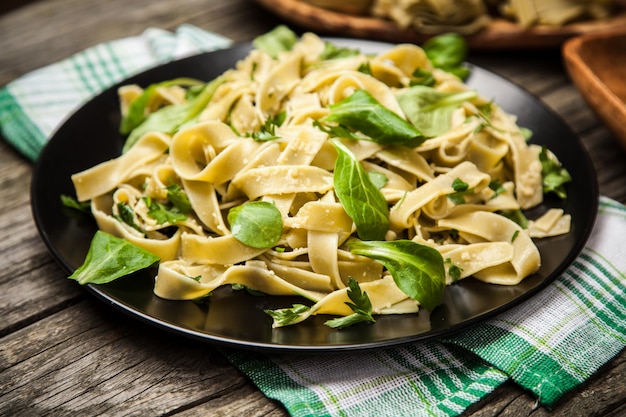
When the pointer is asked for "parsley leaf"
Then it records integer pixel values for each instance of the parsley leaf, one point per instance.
(268, 129)
(497, 187)
(554, 175)
(453, 270)
(126, 215)
(72, 203)
(361, 305)
(162, 213)
(461, 189)
(285, 316)
(179, 198)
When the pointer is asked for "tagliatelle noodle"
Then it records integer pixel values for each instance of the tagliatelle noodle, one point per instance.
(217, 162)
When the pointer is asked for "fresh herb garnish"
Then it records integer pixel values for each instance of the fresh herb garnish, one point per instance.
(251, 291)
(163, 213)
(178, 198)
(448, 52)
(169, 119)
(454, 271)
(280, 39)
(365, 68)
(422, 77)
(363, 113)
(497, 187)
(109, 258)
(126, 215)
(461, 189)
(338, 131)
(418, 270)
(286, 316)
(332, 51)
(430, 110)
(360, 198)
(554, 175)
(361, 305)
(136, 113)
(517, 216)
(258, 224)
(268, 129)
(72, 203)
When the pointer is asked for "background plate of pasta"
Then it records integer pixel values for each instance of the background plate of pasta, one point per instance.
(487, 24)
(315, 194)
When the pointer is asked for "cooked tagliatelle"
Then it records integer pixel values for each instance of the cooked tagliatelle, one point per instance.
(326, 173)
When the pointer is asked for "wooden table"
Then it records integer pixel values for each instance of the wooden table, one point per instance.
(64, 353)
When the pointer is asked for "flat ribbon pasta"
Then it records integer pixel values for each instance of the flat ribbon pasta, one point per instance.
(264, 138)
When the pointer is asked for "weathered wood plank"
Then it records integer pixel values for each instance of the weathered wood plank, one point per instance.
(87, 360)
(64, 353)
(76, 24)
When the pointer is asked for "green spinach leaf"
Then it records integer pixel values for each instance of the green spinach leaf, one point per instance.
(258, 224)
(110, 258)
(280, 39)
(422, 77)
(448, 52)
(517, 216)
(360, 198)
(431, 110)
(332, 51)
(418, 270)
(362, 112)
(170, 118)
(136, 113)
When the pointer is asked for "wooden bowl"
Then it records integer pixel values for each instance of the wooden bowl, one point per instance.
(596, 63)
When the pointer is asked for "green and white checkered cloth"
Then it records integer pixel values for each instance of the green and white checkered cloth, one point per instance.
(33, 106)
(548, 345)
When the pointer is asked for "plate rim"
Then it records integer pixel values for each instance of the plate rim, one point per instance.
(100, 292)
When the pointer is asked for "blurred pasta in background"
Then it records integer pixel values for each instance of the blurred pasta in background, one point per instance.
(470, 16)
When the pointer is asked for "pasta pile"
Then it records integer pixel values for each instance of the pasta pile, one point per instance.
(220, 162)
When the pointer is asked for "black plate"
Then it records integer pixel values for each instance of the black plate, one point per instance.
(236, 318)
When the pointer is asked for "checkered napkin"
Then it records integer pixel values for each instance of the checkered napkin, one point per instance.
(548, 345)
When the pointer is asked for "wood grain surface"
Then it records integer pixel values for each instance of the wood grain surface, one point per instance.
(63, 353)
